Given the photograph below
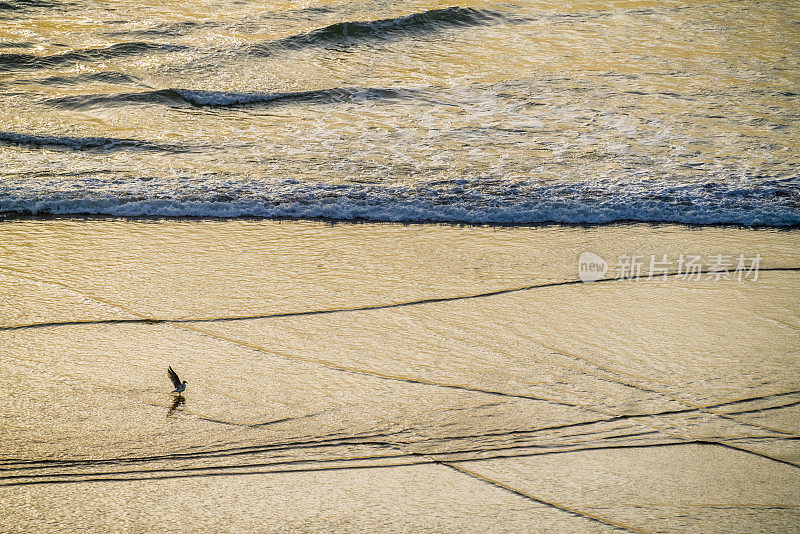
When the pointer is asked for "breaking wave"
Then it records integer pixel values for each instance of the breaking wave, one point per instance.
(769, 204)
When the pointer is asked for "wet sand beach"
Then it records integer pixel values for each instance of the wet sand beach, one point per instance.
(384, 377)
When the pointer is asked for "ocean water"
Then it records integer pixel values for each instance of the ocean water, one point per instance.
(476, 112)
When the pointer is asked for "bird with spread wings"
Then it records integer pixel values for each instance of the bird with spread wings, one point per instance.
(179, 384)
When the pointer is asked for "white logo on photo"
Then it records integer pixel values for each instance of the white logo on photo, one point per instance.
(591, 267)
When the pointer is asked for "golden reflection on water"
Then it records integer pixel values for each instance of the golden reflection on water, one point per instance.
(574, 395)
(586, 90)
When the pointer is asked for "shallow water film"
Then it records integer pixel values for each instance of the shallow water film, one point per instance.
(379, 377)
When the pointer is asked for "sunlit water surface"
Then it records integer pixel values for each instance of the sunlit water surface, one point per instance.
(374, 377)
(476, 112)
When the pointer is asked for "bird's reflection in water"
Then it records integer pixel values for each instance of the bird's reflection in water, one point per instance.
(177, 404)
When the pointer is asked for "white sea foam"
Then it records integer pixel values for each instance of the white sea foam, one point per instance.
(224, 98)
(772, 203)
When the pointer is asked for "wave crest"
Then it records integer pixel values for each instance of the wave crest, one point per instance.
(81, 143)
(200, 98)
(342, 33)
(31, 61)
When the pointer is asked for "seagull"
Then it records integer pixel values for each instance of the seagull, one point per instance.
(179, 385)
